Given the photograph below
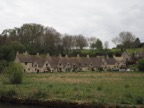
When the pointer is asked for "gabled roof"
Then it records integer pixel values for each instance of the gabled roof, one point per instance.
(31, 59)
(110, 61)
(25, 58)
(96, 62)
(54, 61)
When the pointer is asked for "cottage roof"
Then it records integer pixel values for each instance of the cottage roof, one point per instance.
(96, 62)
(110, 61)
(24, 58)
(31, 59)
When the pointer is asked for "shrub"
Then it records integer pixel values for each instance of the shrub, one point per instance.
(140, 100)
(7, 93)
(14, 73)
(39, 94)
(3, 65)
(141, 65)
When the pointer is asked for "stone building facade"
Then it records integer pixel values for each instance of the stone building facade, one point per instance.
(38, 63)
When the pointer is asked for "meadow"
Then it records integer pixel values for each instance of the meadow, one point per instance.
(81, 87)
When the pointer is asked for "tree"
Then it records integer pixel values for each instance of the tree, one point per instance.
(98, 44)
(125, 39)
(137, 43)
(91, 41)
(3, 65)
(14, 73)
(52, 41)
(8, 51)
(67, 43)
(106, 45)
(141, 65)
(81, 41)
(116, 40)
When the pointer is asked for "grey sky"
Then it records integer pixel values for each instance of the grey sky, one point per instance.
(103, 19)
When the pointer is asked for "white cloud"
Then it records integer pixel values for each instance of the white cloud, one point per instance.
(104, 19)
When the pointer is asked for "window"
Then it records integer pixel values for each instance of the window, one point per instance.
(46, 65)
(25, 63)
(28, 68)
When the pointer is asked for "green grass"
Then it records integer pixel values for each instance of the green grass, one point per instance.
(94, 87)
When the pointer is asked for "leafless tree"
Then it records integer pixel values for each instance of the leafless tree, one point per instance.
(125, 38)
(91, 40)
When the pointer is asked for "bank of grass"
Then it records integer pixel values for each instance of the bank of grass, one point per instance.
(92, 87)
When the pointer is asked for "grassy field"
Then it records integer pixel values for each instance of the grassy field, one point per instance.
(93, 87)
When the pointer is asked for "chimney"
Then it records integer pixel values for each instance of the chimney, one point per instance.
(37, 54)
(26, 53)
(114, 56)
(87, 56)
(78, 55)
(48, 55)
(60, 55)
(17, 53)
(66, 56)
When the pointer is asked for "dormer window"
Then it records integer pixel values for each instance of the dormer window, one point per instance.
(46, 65)
(25, 63)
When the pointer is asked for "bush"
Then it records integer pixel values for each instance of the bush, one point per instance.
(39, 94)
(7, 93)
(141, 65)
(14, 73)
(140, 100)
(3, 65)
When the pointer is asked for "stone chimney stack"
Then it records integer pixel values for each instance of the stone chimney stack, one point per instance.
(17, 53)
(48, 55)
(78, 55)
(26, 53)
(60, 55)
(66, 56)
(87, 56)
(37, 54)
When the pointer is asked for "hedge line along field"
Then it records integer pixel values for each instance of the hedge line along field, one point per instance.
(81, 87)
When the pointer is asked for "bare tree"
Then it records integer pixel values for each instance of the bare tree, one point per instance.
(80, 41)
(91, 40)
(125, 39)
(116, 40)
(67, 43)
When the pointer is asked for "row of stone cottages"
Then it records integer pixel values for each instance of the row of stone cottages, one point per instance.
(38, 63)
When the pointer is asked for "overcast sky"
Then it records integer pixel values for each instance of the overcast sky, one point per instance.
(103, 19)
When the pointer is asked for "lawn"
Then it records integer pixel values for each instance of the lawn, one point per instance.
(82, 87)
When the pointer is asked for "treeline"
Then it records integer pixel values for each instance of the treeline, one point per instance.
(127, 40)
(36, 38)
